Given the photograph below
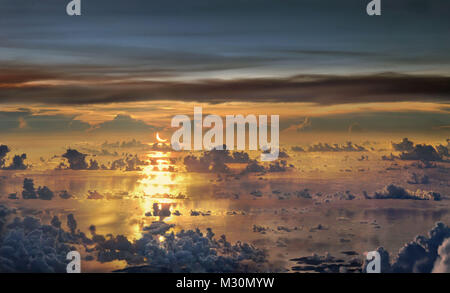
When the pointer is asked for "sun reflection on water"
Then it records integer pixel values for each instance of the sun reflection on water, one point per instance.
(162, 188)
(161, 176)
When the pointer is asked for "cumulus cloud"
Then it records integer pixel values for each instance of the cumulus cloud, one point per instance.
(404, 145)
(277, 166)
(4, 213)
(325, 147)
(129, 163)
(443, 151)
(326, 264)
(94, 195)
(422, 255)
(29, 192)
(393, 191)
(45, 193)
(18, 163)
(65, 195)
(125, 144)
(442, 264)
(297, 149)
(391, 157)
(28, 189)
(28, 245)
(123, 123)
(93, 165)
(134, 163)
(421, 152)
(214, 160)
(77, 160)
(193, 251)
(4, 150)
(71, 223)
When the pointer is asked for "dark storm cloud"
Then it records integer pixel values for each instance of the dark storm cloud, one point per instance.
(322, 89)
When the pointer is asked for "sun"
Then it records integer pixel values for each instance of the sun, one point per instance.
(159, 138)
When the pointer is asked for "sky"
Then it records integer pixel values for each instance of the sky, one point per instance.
(133, 62)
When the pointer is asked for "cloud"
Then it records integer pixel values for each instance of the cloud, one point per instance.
(326, 264)
(302, 126)
(393, 191)
(126, 144)
(4, 150)
(215, 160)
(395, 121)
(18, 163)
(421, 152)
(422, 255)
(355, 127)
(77, 160)
(442, 264)
(24, 120)
(405, 145)
(325, 147)
(129, 163)
(277, 166)
(321, 89)
(28, 189)
(122, 123)
(297, 149)
(27, 245)
(44, 193)
(418, 179)
(443, 151)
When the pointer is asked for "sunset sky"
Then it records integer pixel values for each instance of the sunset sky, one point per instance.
(132, 65)
(89, 162)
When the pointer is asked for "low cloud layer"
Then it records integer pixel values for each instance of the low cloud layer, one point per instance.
(28, 245)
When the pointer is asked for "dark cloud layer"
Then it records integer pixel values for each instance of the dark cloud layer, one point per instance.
(322, 89)
(121, 51)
